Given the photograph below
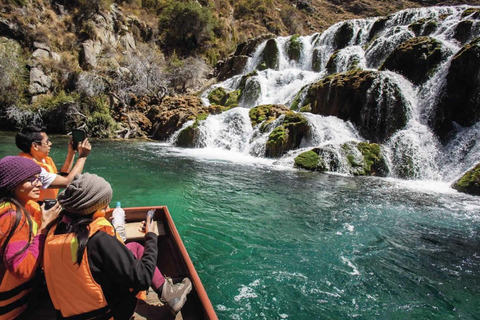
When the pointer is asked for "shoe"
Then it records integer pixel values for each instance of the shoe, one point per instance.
(175, 295)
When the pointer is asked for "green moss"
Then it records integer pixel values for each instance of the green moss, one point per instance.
(276, 142)
(308, 160)
(469, 182)
(244, 79)
(217, 96)
(186, 137)
(470, 11)
(262, 113)
(294, 48)
(371, 154)
(232, 99)
(294, 118)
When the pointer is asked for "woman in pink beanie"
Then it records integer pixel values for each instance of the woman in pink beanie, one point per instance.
(21, 238)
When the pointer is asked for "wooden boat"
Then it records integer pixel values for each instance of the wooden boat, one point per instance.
(173, 261)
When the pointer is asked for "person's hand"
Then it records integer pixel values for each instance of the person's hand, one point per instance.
(49, 215)
(147, 227)
(70, 146)
(84, 148)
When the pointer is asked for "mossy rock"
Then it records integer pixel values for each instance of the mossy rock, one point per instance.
(267, 112)
(244, 79)
(416, 58)
(217, 96)
(424, 27)
(276, 142)
(460, 101)
(378, 26)
(463, 31)
(250, 89)
(232, 98)
(473, 12)
(332, 64)
(343, 36)
(375, 163)
(271, 56)
(377, 108)
(294, 48)
(310, 160)
(186, 138)
(469, 182)
(317, 60)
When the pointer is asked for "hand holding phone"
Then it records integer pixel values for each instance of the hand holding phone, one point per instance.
(49, 203)
(150, 224)
(78, 135)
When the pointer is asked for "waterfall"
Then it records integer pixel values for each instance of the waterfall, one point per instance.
(413, 152)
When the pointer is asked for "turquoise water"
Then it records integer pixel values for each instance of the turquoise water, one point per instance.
(273, 243)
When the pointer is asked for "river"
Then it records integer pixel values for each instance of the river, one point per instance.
(271, 242)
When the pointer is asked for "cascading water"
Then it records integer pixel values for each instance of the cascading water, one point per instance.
(413, 151)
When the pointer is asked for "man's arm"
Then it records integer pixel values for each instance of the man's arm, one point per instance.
(67, 165)
(84, 149)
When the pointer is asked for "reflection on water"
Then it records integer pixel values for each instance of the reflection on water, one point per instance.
(288, 244)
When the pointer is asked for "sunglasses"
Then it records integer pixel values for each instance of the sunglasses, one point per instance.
(34, 180)
(46, 144)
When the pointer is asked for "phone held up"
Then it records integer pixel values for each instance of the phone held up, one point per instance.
(78, 135)
(49, 203)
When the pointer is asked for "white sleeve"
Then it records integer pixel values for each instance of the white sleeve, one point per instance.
(46, 178)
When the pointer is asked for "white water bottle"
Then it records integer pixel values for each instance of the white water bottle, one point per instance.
(119, 221)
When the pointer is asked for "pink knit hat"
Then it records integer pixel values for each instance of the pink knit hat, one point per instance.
(14, 170)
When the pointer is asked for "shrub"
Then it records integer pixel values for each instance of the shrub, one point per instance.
(13, 74)
(186, 26)
(51, 102)
(101, 125)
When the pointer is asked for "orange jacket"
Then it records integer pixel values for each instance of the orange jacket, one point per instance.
(16, 274)
(72, 288)
(49, 166)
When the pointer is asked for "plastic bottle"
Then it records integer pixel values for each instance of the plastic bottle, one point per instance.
(119, 221)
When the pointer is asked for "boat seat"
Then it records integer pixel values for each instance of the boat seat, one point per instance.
(133, 234)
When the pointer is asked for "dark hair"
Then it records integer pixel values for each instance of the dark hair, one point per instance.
(79, 226)
(27, 135)
(19, 212)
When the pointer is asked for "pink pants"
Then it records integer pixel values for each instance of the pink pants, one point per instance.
(137, 250)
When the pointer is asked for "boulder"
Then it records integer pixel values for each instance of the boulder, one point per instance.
(270, 57)
(248, 47)
(370, 100)
(416, 58)
(287, 136)
(267, 112)
(460, 101)
(463, 31)
(294, 48)
(343, 36)
(173, 113)
(310, 160)
(231, 67)
(88, 54)
(39, 82)
(469, 182)
(424, 27)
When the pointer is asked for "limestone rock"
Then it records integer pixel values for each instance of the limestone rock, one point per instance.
(416, 58)
(460, 102)
(371, 101)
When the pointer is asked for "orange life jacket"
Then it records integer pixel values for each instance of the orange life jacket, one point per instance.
(34, 209)
(13, 291)
(49, 166)
(72, 288)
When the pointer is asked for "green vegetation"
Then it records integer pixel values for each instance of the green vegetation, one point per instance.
(469, 182)
(186, 26)
(310, 160)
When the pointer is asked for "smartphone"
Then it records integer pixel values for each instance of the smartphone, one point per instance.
(150, 214)
(49, 203)
(78, 135)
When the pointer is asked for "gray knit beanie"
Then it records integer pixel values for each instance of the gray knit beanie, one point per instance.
(86, 194)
